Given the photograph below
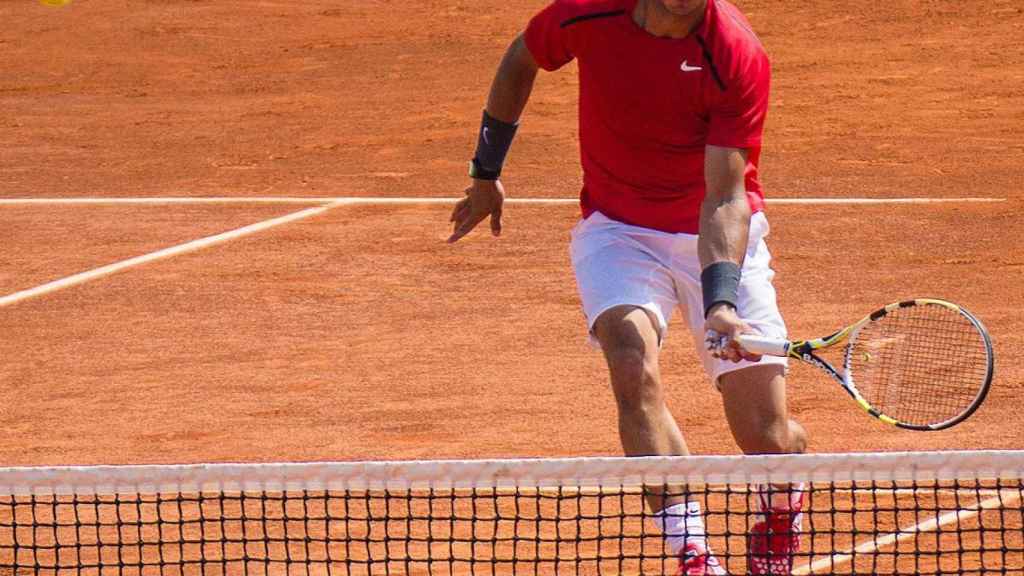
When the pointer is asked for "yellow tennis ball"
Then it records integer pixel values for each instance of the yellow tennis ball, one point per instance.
(55, 2)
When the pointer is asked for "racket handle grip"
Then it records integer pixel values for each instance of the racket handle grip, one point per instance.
(764, 345)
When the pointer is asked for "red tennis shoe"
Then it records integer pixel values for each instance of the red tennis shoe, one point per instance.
(773, 542)
(696, 560)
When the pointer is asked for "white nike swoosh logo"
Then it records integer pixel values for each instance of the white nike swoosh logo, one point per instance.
(686, 68)
(488, 140)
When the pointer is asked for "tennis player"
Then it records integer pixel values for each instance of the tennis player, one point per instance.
(673, 96)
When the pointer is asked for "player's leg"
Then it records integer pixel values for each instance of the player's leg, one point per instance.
(755, 406)
(754, 395)
(630, 342)
(627, 293)
(629, 339)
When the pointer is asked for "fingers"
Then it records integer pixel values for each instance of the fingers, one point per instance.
(722, 327)
(460, 207)
(725, 348)
(744, 354)
(482, 200)
(466, 226)
(460, 214)
(714, 342)
(496, 221)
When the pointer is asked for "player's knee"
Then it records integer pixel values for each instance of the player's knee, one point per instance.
(775, 436)
(797, 437)
(634, 379)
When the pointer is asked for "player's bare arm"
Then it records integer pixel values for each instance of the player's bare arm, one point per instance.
(724, 225)
(509, 93)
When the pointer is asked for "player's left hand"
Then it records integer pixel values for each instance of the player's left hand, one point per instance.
(483, 198)
(721, 328)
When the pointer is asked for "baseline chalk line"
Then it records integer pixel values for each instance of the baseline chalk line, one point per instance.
(168, 200)
(324, 204)
(191, 246)
(349, 200)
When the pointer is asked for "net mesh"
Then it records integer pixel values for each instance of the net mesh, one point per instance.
(921, 365)
(917, 513)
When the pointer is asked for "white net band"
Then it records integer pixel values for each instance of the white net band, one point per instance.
(525, 473)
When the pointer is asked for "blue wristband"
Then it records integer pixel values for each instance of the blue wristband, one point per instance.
(720, 283)
(492, 146)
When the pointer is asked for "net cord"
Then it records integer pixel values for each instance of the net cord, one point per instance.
(525, 473)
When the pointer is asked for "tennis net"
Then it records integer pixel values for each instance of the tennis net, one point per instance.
(893, 513)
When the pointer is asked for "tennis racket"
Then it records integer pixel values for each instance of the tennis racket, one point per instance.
(921, 364)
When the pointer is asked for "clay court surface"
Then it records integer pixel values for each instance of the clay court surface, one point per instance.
(357, 333)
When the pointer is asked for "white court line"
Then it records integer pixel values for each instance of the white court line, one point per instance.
(421, 200)
(169, 200)
(927, 526)
(883, 200)
(160, 254)
(326, 203)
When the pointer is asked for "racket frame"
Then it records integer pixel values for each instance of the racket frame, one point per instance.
(804, 350)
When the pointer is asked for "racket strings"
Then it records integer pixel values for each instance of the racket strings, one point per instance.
(921, 365)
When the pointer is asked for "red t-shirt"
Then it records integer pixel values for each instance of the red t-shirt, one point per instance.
(649, 105)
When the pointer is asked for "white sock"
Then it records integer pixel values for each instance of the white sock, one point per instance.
(680, 523)
(780, 499)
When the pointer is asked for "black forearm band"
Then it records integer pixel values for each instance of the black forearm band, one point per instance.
(492, 146)
(720, 282)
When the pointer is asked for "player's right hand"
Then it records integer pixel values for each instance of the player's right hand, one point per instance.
(722, 327)
(483, 198)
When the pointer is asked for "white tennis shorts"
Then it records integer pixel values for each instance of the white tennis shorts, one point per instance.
(617, 264)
